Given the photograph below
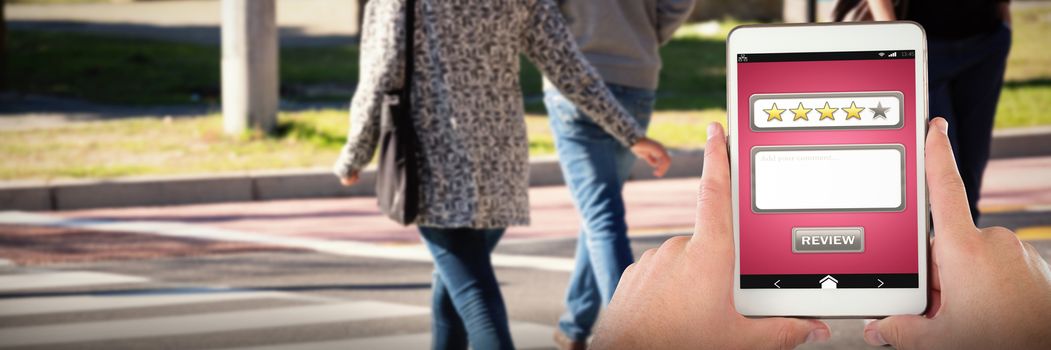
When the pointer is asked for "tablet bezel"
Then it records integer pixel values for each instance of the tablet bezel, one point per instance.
(788, 38)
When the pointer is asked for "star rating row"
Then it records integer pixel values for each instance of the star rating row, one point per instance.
(801, 113)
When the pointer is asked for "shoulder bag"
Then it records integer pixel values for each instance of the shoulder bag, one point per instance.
(397, 180)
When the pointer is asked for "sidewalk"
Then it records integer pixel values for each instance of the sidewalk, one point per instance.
(653, 206)
(1017, 194)
(1018, 184)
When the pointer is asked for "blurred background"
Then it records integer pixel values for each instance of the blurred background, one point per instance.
(139, 211)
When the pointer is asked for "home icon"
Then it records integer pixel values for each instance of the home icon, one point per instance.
(828, 282)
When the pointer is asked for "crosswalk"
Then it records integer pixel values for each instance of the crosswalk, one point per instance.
(62, 279)
(22, 297)
(526, 336)
(334, 247)
(88, 303)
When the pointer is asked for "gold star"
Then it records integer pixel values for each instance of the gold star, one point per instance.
(800, 112)
(853, 111)
(826, 112)
(773, 113)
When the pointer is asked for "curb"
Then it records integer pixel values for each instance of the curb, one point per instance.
(261, 186)
(320, 183)
(1021, 142)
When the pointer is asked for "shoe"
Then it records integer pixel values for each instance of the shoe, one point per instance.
(564, 343)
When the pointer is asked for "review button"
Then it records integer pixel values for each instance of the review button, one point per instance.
(828, 239)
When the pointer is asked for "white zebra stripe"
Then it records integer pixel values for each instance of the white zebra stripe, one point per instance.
(525, 335)
(345, 248)
(64, 279)
(102, 302)
(205, 323)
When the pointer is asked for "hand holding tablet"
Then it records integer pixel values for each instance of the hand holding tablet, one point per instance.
(814, 204)
(989, 289)
(680, 295)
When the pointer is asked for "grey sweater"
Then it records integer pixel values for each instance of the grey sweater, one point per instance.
(622, 38)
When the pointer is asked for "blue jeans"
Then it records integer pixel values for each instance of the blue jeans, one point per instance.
(965, 79)
(467, 306)
(595, 167)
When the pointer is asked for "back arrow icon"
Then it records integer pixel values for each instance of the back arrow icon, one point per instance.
(880, 283)
(775, 284)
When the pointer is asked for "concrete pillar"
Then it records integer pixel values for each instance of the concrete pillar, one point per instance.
(249, 65)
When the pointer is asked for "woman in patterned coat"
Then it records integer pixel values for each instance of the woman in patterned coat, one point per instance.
(469, 119)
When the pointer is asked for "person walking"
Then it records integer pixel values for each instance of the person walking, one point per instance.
(468, 117)
(621, 39)
(967, 46)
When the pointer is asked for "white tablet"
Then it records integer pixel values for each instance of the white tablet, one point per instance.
(826, 127)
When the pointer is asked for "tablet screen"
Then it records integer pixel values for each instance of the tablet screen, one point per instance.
(827, 170)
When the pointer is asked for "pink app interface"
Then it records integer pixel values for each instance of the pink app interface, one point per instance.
(826, 160)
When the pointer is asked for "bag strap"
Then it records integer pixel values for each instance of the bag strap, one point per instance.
(409, 56)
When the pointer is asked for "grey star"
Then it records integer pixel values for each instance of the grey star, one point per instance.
(879, 111)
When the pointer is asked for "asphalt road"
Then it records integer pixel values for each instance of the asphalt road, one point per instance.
(276, 300)
(330, 273)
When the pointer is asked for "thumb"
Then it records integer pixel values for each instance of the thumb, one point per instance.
(788, 333)
(713, 225)
(952, 216)
(901, 332)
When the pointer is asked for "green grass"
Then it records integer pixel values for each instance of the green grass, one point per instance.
(149, 72)
(1026, 96)
(1024, 103)
(151, 146)
(1030, 57)
(145, 72)
(158, 146)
